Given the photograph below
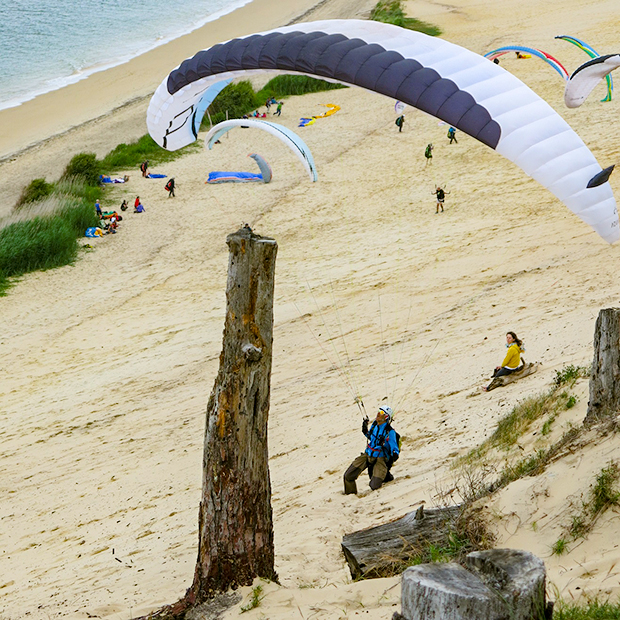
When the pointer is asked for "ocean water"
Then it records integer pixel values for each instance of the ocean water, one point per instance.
(47, 44)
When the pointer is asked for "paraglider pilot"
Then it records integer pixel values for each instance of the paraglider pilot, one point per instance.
(381, 452)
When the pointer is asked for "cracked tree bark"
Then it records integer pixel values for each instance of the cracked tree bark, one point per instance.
(235, 519)
(605, 376)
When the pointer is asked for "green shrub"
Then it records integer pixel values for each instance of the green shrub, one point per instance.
(36, 190)
(391, 12)
(84, 166)
(128, 156)
(237, 99)
(287, 85)
(604, 493)
(41, 243)
(569, 374)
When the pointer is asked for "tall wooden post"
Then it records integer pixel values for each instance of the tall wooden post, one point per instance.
(235, 520)
(605, 377)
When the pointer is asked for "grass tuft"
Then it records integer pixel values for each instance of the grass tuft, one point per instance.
(255, 599)
(569, 374)
(592, 610)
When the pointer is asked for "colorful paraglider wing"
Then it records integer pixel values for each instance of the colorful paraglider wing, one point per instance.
(592, 53)
(586, 77)
(548, 58)
(445, 80)
(265, 168)
(291, 139)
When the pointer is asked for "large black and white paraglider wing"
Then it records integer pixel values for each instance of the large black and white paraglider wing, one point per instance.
(288, 137)
(586, 77)
(445, 80)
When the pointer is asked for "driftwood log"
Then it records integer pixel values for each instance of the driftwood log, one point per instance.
(498, 584)
(387, 549)
(528, 369)
(605, 377)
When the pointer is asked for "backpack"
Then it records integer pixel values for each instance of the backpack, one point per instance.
(168, 185)
(451, 132)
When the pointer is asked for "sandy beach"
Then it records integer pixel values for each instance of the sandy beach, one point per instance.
(108, 364)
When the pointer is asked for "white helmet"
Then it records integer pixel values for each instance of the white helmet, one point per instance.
(388, 412)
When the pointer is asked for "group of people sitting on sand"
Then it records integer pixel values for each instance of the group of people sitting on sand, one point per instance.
(109, 220)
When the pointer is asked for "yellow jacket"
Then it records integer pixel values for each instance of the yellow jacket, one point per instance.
(513, 357)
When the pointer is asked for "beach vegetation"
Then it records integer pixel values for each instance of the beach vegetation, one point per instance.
(289, 85)
(36, 190)
(240, 98)
(602, 495)
(512, 426)
(391, 12)
(84, 166)
(234, 101)
(559, 547)
(592, 609)
(43, 242)
(255, 599)
(569, 375)
(128, 156)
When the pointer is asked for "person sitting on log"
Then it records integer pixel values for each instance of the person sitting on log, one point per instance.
(512, 362)
(381, 452)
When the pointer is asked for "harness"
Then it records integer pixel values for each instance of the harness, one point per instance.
(380, 440)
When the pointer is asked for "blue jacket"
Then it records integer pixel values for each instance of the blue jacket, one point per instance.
(382, 441)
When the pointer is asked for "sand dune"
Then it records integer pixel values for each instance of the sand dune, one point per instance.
(108, 364)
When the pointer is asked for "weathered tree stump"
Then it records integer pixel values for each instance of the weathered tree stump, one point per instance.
(605, 377)
(235, 519)
(500, 584)
(386, 549)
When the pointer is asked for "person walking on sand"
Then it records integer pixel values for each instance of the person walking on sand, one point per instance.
(452, 135)
(441, 196)
(279, 108)
(381, 451)
(144, 168)
(428, 153)
(98, 209)
(400, 121)
(512, 362)
(170, 187)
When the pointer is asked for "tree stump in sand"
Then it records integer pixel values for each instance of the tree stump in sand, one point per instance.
(499, 584)
(385, 550)
(605, 377)
(235, 519)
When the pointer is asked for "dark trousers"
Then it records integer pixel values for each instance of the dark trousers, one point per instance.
(379, 472)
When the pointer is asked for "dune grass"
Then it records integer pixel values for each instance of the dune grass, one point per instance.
(391, 12)
(592, 610)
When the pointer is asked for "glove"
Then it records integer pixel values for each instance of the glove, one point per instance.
(365, 426)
